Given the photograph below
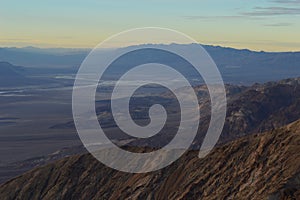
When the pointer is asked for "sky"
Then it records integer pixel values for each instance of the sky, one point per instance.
(268, 25)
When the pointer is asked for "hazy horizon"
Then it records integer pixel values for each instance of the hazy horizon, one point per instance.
(90, 48)
(268, 25)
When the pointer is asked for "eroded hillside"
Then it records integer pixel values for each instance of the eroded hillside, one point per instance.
(265, 166)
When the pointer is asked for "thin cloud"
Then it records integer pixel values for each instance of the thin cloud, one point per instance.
(229, 17)
(192, 17)
(282, 8)
(272, 11)
(279, 24)
(286, 1)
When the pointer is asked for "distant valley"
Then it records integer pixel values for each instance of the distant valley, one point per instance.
(259, 141)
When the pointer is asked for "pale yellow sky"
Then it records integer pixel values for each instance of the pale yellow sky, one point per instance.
(267, 25)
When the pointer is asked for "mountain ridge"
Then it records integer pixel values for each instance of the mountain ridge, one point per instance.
(235, 65)
(260, 166)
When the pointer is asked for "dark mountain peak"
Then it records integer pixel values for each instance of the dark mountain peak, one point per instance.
(7, 69)
(15, 76)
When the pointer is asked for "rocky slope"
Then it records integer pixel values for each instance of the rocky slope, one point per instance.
(8, 171)
(262, 107)
(264, 166)
(254, 109)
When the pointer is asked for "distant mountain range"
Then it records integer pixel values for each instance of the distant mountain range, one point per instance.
(43, 58)
(237, 66)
